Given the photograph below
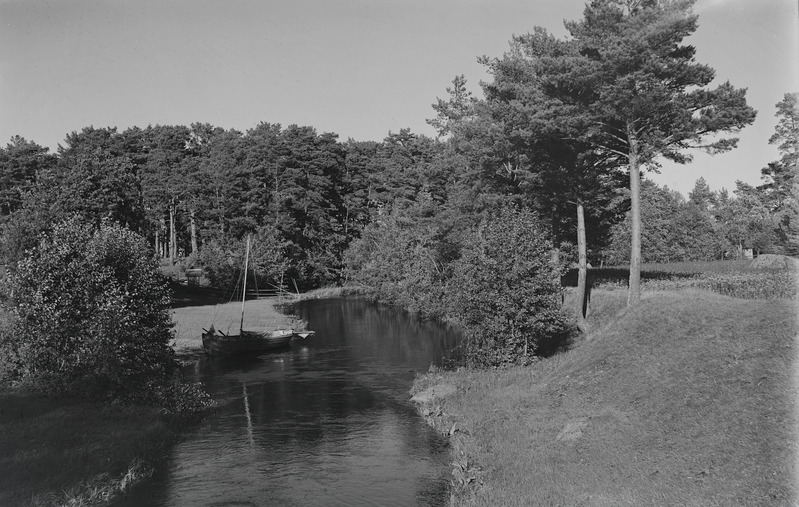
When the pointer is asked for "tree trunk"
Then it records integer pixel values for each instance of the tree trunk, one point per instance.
(157, 243)
(634, 293)
(555, 255)
(173, 250)
(193, 229)
(582, 271)
(162, 236)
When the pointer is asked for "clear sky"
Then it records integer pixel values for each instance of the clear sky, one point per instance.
(359, 68)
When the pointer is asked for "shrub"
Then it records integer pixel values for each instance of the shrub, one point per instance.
(505, 289)
(397, 261)
(761, 284)
(90, 315)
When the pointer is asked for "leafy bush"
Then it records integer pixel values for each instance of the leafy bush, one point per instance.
(397, 260)
(763, 284)
(505, 289)
(90, 315)
(734, 278)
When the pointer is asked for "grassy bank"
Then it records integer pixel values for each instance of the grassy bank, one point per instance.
(687, 399)
(61, 451)
(196, 309)
(261, 314)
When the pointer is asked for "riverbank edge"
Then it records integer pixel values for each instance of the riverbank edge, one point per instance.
(49, 436)
(429, 391)
(466, 387)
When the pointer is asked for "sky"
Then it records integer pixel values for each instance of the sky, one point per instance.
(359, 68)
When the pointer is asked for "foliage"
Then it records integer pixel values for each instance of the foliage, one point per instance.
(735, 278)
(399, 260)
(675, 229)
(20, 162)
(90, 316)
(505, 290)
(642, 92)
(781, 178)
(764, 284)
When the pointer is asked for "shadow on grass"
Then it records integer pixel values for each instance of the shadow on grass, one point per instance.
(619, 276)
(558, 343)
(185, 295)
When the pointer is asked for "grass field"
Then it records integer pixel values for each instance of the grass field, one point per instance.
(687, 399)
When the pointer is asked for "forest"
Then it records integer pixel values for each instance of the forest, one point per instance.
(196, 191)
(556, 145)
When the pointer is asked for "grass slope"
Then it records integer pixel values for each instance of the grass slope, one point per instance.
(56, 451)
(687, 399)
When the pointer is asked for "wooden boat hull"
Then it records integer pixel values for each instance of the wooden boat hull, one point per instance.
(248, 342)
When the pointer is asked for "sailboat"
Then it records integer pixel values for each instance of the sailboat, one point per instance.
(218, 343)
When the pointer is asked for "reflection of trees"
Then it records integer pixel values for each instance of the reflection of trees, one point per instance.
(376, 332)
(334, 410)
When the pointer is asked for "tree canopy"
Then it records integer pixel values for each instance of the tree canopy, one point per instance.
(642, 92)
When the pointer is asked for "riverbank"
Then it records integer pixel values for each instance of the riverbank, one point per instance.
(63, 451)
(689, 398)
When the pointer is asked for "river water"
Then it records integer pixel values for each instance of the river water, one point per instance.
(326, 423)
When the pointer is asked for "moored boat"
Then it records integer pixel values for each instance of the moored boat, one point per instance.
(216, 343)
(252, 342)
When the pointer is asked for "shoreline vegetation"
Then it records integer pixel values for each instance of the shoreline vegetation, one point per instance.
(687, 398)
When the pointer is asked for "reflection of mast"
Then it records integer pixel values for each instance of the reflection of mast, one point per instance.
(247, 413)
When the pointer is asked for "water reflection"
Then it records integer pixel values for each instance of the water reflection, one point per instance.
(326, 423)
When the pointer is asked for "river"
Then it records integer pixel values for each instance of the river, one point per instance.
(328, 422)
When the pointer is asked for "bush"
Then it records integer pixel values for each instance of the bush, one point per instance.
(730, 278)
(90, 315)
(761, 284)
(505, 290)
(397, 261)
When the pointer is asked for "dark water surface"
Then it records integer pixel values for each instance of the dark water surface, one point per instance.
(326, 423)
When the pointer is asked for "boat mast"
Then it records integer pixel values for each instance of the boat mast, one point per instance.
(244, 285)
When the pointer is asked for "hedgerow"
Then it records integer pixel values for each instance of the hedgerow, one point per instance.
(730, 278)
(762, 284)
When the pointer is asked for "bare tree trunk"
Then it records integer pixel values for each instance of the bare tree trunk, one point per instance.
(634, 293)
(157, 243)
(162, 234)
(193, 229)
(555, 254)
(173, 250)
(582, 270)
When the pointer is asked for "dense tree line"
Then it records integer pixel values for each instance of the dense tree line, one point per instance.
(196, 191)
(564, 129)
